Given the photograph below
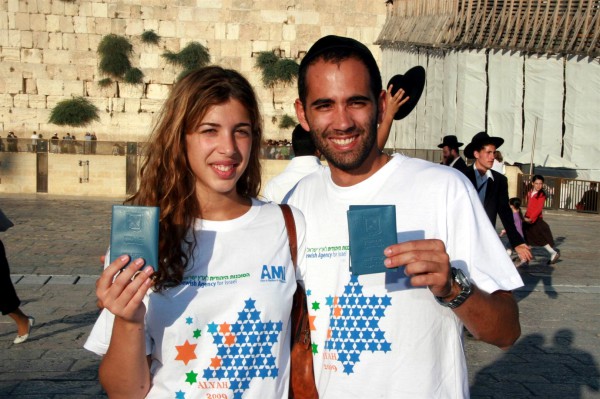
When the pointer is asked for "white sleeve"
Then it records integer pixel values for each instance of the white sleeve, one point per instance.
(474, 245)
(99, 337)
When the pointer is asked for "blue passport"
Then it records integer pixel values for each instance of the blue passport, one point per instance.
(134, 232)
(371, 229)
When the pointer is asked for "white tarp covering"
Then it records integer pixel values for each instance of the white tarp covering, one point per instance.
(402, 134)
(454, 102)
(470, 94)
(543, 104)
(505, 102)
(582, 113)
(449, 97)
(433, 104)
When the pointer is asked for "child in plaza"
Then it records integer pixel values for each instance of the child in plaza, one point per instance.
(537, 231)
(213, 321)
(515, 207)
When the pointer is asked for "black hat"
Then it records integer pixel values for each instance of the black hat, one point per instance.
(299, 133)
(413, 82)
(479, 140)
(331, 42)
(450, 141)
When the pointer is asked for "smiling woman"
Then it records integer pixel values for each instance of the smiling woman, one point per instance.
(182, 331)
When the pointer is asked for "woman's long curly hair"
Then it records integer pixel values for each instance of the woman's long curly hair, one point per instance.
(166, 179)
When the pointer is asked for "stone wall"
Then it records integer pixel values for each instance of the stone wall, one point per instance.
(105, 176)
(48, 53)
(66, 174)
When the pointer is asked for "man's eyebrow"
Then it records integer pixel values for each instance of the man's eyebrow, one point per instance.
(325, 101)
(359, 98)
(321, 101)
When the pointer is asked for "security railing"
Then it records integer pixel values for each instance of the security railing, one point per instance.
(96, 147)
(562, 193)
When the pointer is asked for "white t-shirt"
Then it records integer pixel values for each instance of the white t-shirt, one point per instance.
(281, 184)
(225, 330)
(375, 335)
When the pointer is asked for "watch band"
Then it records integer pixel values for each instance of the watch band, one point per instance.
(466, 288)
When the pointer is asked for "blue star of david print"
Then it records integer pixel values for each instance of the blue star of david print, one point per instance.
(354, 324)
(244, 349)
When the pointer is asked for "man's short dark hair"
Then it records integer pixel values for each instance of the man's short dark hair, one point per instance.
(302, 142)
(337, 49)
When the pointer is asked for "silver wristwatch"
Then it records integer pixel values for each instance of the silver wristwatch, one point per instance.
(466, 288)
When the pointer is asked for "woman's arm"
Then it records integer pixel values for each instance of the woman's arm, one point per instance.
(534, 207)
(124, 370)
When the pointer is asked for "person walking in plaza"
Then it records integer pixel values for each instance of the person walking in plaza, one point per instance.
(515, 207)
(589, 200)
(451, 154)
(397, 333)
(537, 231)
(9, 300)
(213, 320)
(492, 188)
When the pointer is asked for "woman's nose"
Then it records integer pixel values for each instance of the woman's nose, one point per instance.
(227, 144)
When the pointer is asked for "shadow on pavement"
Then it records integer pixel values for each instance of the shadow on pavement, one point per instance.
(533, 367)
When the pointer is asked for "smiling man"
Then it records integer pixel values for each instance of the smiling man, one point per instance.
(399, 333)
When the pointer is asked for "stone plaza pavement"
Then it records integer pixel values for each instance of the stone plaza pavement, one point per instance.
(54, 250)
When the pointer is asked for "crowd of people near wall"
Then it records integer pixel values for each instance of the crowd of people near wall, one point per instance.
(277, 149)
(68, 144)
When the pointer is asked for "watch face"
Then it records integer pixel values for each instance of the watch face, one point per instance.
(462, 281)
(465, 290)
(460, 278)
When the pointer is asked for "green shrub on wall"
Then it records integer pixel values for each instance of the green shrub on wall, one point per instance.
(276, 70)
(133, 76)
(114, 51)
(150, 37)
(74, 112)
(106, 82)
(287, 122)
(191, 57)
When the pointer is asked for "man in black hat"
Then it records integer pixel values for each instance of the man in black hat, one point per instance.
(492, 188)
(450, 153)
(395, 333)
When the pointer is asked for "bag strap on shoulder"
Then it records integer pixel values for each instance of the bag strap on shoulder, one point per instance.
(290, 226)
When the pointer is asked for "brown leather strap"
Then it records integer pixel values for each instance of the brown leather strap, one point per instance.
(290, 226)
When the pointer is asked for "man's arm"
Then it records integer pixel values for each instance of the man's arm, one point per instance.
(515, 239)
(492, 318)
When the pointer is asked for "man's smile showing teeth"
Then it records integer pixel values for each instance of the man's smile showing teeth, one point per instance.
(344, 141)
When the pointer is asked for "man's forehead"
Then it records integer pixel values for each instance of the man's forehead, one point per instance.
(488, 148)
(320, 63)
(347, 72)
